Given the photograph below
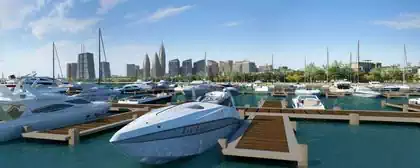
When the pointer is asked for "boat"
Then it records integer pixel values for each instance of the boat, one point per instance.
(163, 84)
(307, 102)
(365, 92)
(396, 88)
(146, 99)
(94, 92)
(375, 85)
(178, 131)
(415, 101)
(302, 90)
(44, 111)
(343, 87)
(197, 89)
(135, 87)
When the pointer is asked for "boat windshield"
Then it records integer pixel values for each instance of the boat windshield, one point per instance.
(221, 99)
(11, 112)
(343, 86)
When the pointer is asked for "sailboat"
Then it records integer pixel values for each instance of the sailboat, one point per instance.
(302, 90)
(404, 86)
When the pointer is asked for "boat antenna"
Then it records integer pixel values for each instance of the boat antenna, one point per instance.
(53, 61)
(99, 48)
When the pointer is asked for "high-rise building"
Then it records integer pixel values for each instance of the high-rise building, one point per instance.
(225, 67)
(106, 70)
(265, 68)
(174, 67)
(186, 69)
(365, 65)
(162, 60)
(199, 68)
(71, 71)
(156, 67)
(146, 67)
(131, 70)
(85, 66)
(244, 67)
(212, 68)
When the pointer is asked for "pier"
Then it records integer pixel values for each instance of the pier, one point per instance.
(268, 132)
(73, 133)
(403, 107)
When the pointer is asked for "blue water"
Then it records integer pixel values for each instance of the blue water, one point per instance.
(330, 145)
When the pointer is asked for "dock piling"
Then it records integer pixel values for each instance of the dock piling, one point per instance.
(74, 134)
(241, 114)
(135, 116)
(303, 162)
(383, 103)
(283, 103)
(222, 143)
(405, 107)
(354, 119)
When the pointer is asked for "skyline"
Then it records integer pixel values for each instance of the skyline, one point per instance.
(234, 30)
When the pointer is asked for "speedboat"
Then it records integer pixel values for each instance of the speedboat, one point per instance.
(365, 92)
(146, 99)
(396, 88)
(343, 87)
(135, 87)
(44, 111)
(415, 101)
(197, 89)
(302, 90)
(308, 102)
(163, 84)
(177, 131)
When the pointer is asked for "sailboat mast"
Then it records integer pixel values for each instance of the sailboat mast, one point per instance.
(358, 60)
(350, 75)
(328, 63)
(53, 60)
(272, 62)
(405, 63)
(304, 72)
(99, 48)
(205, 64)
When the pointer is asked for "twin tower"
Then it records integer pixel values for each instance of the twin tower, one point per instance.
(158, 68)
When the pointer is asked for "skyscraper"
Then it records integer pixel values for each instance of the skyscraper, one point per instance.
(146, 67)
(162, 60)
(85, 66)
(225, 67)
(186, 69)
(199, 68)
(212, 68)
(106, 70)
(131, 70)
(174, 67)
(71, 71)
(156, 67)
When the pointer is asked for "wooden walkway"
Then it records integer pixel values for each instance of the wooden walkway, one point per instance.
(73, 133)
(403, 107)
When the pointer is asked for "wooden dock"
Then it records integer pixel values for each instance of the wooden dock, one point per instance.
(390, 95)
(73, 133)
(403, 107)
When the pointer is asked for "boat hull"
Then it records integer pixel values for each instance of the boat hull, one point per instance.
(366, 95)
(166, 150)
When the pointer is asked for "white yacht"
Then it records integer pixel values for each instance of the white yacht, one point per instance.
(163, 84)
(341, 87)
(258, 87)
(396, 88)
(308, 102)
(197, 89)
(136, 87)
(179, 131)
(375, 85)
(146, 99)
(365, 92)
(94, 92)
(43, 111)
(302, 90)
(415, 101)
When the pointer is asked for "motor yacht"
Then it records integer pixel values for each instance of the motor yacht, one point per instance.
(365, 92)
(197, 89)
(163, 84)
(396, 88)
(147, 99)
(177, 131)
(302, 90)
(307, 102)
(135, 87)
(415, 101)
(94, 92)
(375, 85)
(341, 87)
(43, 111)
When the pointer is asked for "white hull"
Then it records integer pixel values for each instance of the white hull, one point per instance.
(163, 151)
(263, 89)
(307, 92)
(12, 129)
(367, 95)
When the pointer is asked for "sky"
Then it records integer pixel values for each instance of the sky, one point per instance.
(227, 30)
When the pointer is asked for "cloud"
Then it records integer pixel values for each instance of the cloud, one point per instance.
(57, 21)
(13, 13)
(232, 24)
(403, 21)
(106, 5)
(167, 12)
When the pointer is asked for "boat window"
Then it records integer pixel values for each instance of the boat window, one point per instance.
(78, 101)
(343, 86)
(52, 108)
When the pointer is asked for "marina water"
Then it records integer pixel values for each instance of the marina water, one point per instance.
(330, 145)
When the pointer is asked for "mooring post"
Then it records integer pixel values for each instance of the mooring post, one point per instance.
(283, 103)
(242, 114)
(326, 93)
(135, 116)
(405, 107)
(74, 134)
(222, 143)
(383, 103)
(354, 119)
(303, 161)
